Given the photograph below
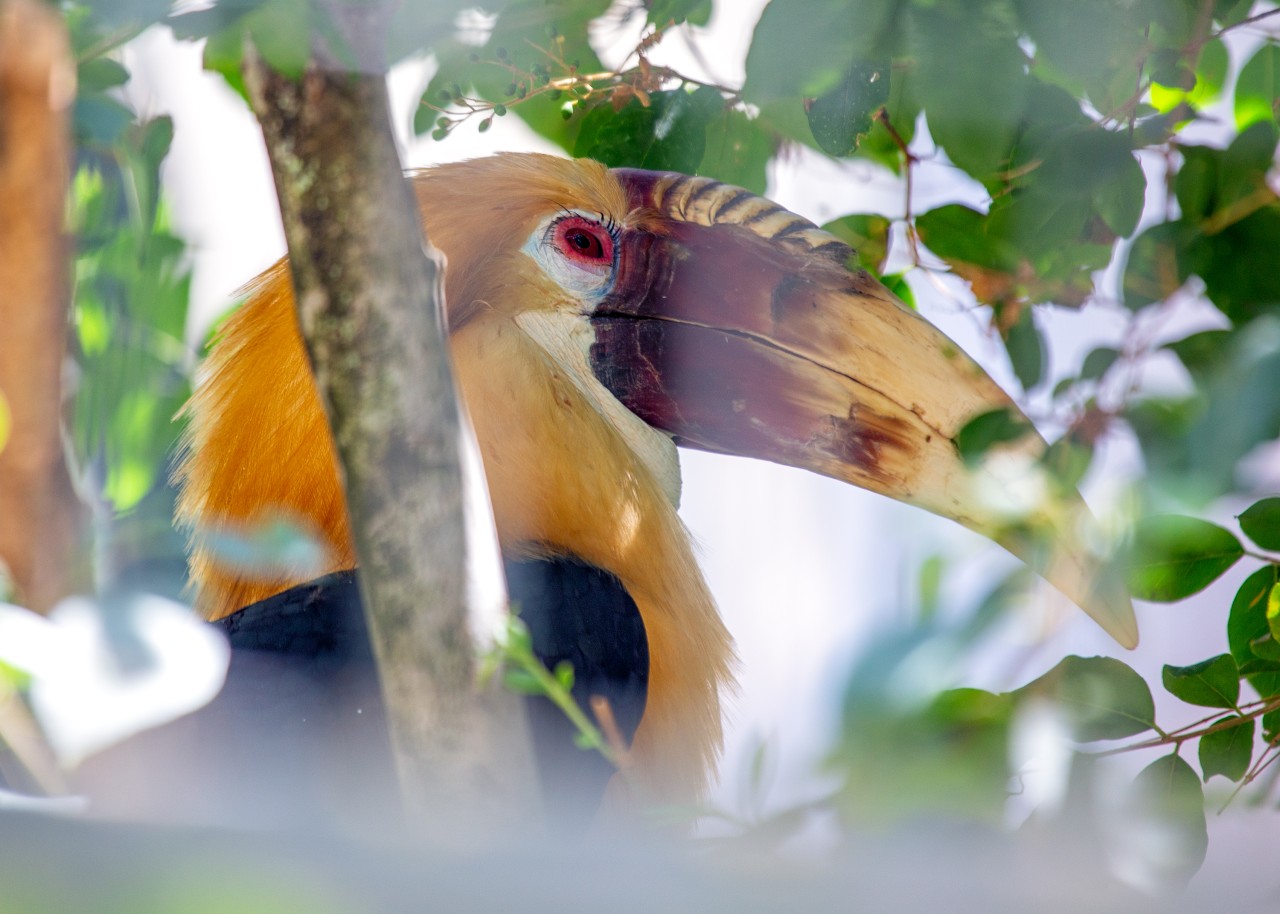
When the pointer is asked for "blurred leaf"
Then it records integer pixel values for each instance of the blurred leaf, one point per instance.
(1202, 352)
(867, 234)
(738, 151)
(898, 285)
(521, 681)
(1158, 264)
(281, 32)
(973, 111)
(1261, 523)
(667, 135)
(1228, 751)
(1173, 557)
(696, 12)
(1087, 44)
(1236, 267)
(100, 73)
(1026, 349)
(1067, 460)
(277, 548)
(564, 675)
(1212, 683)
(1120, 198)
(1247, 627)
(1257, 94)
(802, 48)
(1164, 813)
(1100, 697)
(1271, 725)
(543, 37)
(1194, 444)
(1098, 362)
(99, 119)
(958, 233)
(947, 758)
(989, 430)
(842, 116)
(1209, 75)
(929, 583)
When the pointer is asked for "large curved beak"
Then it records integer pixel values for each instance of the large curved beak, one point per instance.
(736, 327)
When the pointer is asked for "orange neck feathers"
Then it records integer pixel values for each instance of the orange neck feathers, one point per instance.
(563, 479)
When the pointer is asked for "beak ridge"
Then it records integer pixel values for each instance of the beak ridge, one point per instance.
(736, 327)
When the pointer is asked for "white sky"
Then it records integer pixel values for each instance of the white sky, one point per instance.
(803, 568)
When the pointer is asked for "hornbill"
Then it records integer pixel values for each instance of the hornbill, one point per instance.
(599, 318)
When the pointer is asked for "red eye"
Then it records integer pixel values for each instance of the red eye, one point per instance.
(584, 241)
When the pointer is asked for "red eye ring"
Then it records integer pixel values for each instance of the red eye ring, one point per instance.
(584, 241)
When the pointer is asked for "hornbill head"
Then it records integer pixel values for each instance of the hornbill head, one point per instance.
(599, 318)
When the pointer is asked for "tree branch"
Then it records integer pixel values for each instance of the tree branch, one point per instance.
(369, 302)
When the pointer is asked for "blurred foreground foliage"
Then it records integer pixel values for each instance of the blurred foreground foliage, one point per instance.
(1125, 157)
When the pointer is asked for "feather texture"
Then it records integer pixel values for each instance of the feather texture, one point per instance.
(563, 480)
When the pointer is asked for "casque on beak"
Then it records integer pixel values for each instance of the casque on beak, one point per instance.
(736, 327)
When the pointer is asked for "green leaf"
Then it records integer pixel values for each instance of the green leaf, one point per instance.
(668, 135)
(1229, 259)
(988, 430)
(1261, 523)
(1209, 76)
(1026, 349)
(696, 12)
(99, 119)
(1202, 352)
(564, 675)
(973, 111)
(1273, 615)
(1087, 44)
(1097, 363)
(1067, 461)
(1248, 631)
(738, 151)
(1158, 263)
(281, 31)
(1120, 198)
(522, 682)
(1166, 807)
(1173, 557)
(100, 73)
(1257, 95)
(842, 116)
(898, 285)
(867, 234)
(802, 48)
(1101, 697)
(1212, 683)
(958, 234)
(1229, 751)
(1271, 725)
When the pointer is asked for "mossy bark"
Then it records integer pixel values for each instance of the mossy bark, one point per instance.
(369, 298)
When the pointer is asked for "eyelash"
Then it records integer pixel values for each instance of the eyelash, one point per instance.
(605, 222)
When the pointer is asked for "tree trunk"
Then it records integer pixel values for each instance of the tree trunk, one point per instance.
(40, 516)
(369, 299)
